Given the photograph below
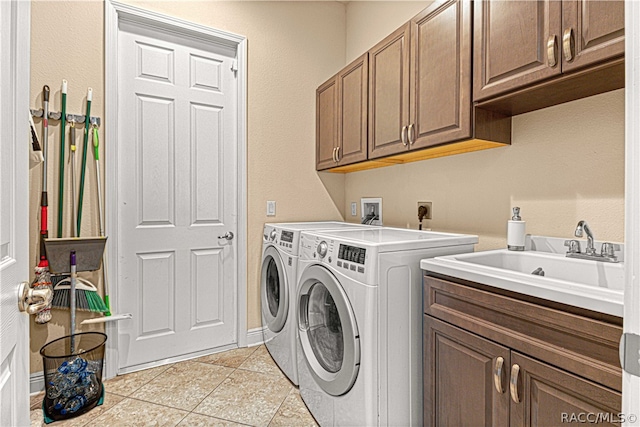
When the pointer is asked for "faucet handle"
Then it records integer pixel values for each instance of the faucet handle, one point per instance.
(573, 245)
(609, 249)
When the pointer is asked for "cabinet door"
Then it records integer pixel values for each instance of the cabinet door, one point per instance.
(549, 396)
(441, 74)
(460, 385)
(593, 31)
(389, 93)
(352, 111)
(510, 44)
(326, 124)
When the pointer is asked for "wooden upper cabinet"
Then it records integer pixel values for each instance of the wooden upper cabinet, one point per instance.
(326, 124)
(440, 83)
(593, 31)
(519, 43)
(510, 44)
(353, 91)
(389, 93)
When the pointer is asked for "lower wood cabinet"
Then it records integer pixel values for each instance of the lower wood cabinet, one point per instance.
(506, 378)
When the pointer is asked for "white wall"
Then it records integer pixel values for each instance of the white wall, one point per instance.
(566, 163)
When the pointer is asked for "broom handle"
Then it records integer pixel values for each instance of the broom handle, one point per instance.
(84, 157)
(72, 300)
(72, 154)
(105, 281)
(63, 117)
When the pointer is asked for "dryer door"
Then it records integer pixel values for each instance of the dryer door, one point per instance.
(328, 331)
(273, 290)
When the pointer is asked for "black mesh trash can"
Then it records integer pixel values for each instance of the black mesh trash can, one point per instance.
(73, 380)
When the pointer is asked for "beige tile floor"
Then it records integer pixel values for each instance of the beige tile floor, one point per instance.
(234, 388)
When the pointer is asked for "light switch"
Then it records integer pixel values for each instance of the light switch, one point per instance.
(354, 209)
(271, 208)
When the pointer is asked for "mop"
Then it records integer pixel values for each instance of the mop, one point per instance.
(43, 276)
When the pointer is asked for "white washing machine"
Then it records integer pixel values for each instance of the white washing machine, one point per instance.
(278, 287)
(360, 322)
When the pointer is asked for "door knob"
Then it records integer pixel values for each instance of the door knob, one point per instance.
(228, 235)
(33, 300)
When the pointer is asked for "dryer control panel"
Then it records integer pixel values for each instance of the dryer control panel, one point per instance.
(283, 239)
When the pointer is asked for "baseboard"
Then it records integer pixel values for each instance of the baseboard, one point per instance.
(36, 382)
(255, 336)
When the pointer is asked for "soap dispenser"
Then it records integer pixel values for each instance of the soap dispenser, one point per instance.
(516, 231)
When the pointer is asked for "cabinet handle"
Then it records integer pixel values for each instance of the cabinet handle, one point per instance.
(513, 384)
(568, 44)
(552, 56)
(403, 137)
(411, 135)
(338, 154)
(497, 374)
(333, 156)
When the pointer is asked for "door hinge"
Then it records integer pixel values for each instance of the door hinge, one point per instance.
(234, 66)
(630, 353)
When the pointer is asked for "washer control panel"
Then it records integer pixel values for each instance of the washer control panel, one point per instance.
(347, 259)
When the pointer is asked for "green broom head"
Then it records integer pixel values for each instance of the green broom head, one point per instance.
(86, 300)
(96, 304)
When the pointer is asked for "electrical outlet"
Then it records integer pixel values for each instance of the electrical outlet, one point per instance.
(354, 209)
(271, 208)
(427, 210)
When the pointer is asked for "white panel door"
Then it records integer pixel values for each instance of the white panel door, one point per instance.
(14, 232)
(177, 174)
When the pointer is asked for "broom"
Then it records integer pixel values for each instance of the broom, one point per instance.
(87, 298)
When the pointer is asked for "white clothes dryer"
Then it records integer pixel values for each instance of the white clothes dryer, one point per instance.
(360, 322)
(278, 287)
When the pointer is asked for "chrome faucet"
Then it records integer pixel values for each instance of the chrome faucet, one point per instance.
(582, 225)
(608, 249)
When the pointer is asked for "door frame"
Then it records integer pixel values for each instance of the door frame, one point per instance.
(631, 383)
(115, 12)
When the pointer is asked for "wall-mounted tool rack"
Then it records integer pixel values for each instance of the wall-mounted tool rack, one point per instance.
(77, 118)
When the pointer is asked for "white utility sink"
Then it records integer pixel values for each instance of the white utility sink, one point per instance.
(594, 285)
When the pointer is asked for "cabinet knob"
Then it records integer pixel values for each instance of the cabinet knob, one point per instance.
(552, 56)
(568, 44)
(513, 384)
(497, 374)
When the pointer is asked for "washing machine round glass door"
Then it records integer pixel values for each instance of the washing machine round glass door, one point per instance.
(328, 331)
(274, 291)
